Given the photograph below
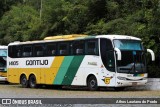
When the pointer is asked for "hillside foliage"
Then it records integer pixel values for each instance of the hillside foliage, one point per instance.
(23, 20)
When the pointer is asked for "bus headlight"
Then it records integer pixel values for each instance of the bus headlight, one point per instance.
(121, 78)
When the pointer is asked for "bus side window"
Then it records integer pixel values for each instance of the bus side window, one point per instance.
(51, 49)
(19, 53)
(63, 48)
(78, 47)
(92, 47)
(27, 51)
(38, 50)
(14, 51)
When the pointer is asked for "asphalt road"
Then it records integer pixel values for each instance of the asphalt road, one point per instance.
(151, 90)
(16, 91)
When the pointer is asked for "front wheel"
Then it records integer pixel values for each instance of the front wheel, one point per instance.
(92, 83)
(32, 81)
(24, 81)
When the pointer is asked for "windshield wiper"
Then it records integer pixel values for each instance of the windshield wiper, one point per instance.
(133, 66)
(124, 68)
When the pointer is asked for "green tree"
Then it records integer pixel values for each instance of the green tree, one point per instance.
(5, 5)
(21, 23)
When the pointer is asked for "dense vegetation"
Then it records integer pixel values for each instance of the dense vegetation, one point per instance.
(22, 20)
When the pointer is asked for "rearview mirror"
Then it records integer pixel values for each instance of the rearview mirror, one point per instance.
(152, 54)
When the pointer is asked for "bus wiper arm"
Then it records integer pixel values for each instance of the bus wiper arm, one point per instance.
(133, 66)
(125, 68)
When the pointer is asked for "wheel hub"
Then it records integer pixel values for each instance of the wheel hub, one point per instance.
(93, 83)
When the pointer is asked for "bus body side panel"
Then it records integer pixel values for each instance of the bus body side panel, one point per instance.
(92, 65)
(72, 70)
(63, 68)
(15, 73)
(60, 70)
(12, 76)
(28, 66)
(89, 65)
(50, 73)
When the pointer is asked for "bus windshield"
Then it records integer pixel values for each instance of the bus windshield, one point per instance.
(3, 58)
(128, 44)
(133, 56)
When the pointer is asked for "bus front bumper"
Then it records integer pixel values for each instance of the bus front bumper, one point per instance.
(3, 79)
(131, 83)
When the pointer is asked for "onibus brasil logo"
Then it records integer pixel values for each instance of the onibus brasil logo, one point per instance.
(21, 101)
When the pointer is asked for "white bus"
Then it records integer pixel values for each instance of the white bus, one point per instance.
(3, 63)
(94, 61)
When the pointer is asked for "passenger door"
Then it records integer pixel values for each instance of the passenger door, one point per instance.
(108, 59)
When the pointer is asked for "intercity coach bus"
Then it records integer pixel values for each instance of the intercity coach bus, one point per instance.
(3, 63)
(116, 61)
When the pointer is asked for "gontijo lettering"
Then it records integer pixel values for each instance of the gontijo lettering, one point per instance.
(36, 62)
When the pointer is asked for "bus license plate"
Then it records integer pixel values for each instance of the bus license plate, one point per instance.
(134, 83)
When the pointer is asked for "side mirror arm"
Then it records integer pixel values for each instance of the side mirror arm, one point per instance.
(119, 55)
(152, 54)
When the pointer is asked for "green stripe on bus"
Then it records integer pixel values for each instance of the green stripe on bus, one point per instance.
(90, 37)
(86, 37)
(72, 70)
(63, 69)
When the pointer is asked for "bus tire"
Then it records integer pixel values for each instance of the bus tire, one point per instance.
(32, 81)
(24, 81)
(119, 88)
(92, 83)
(6, 82)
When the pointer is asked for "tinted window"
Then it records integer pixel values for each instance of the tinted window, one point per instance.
(14, 51)
(38, 50)
(63, 49)
(78, 48)
(51, 49)
(27, 51)
(92, 47)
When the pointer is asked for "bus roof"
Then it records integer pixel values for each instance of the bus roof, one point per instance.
(3, 47)
(75, 37)
(118, 37)
(71, 37)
